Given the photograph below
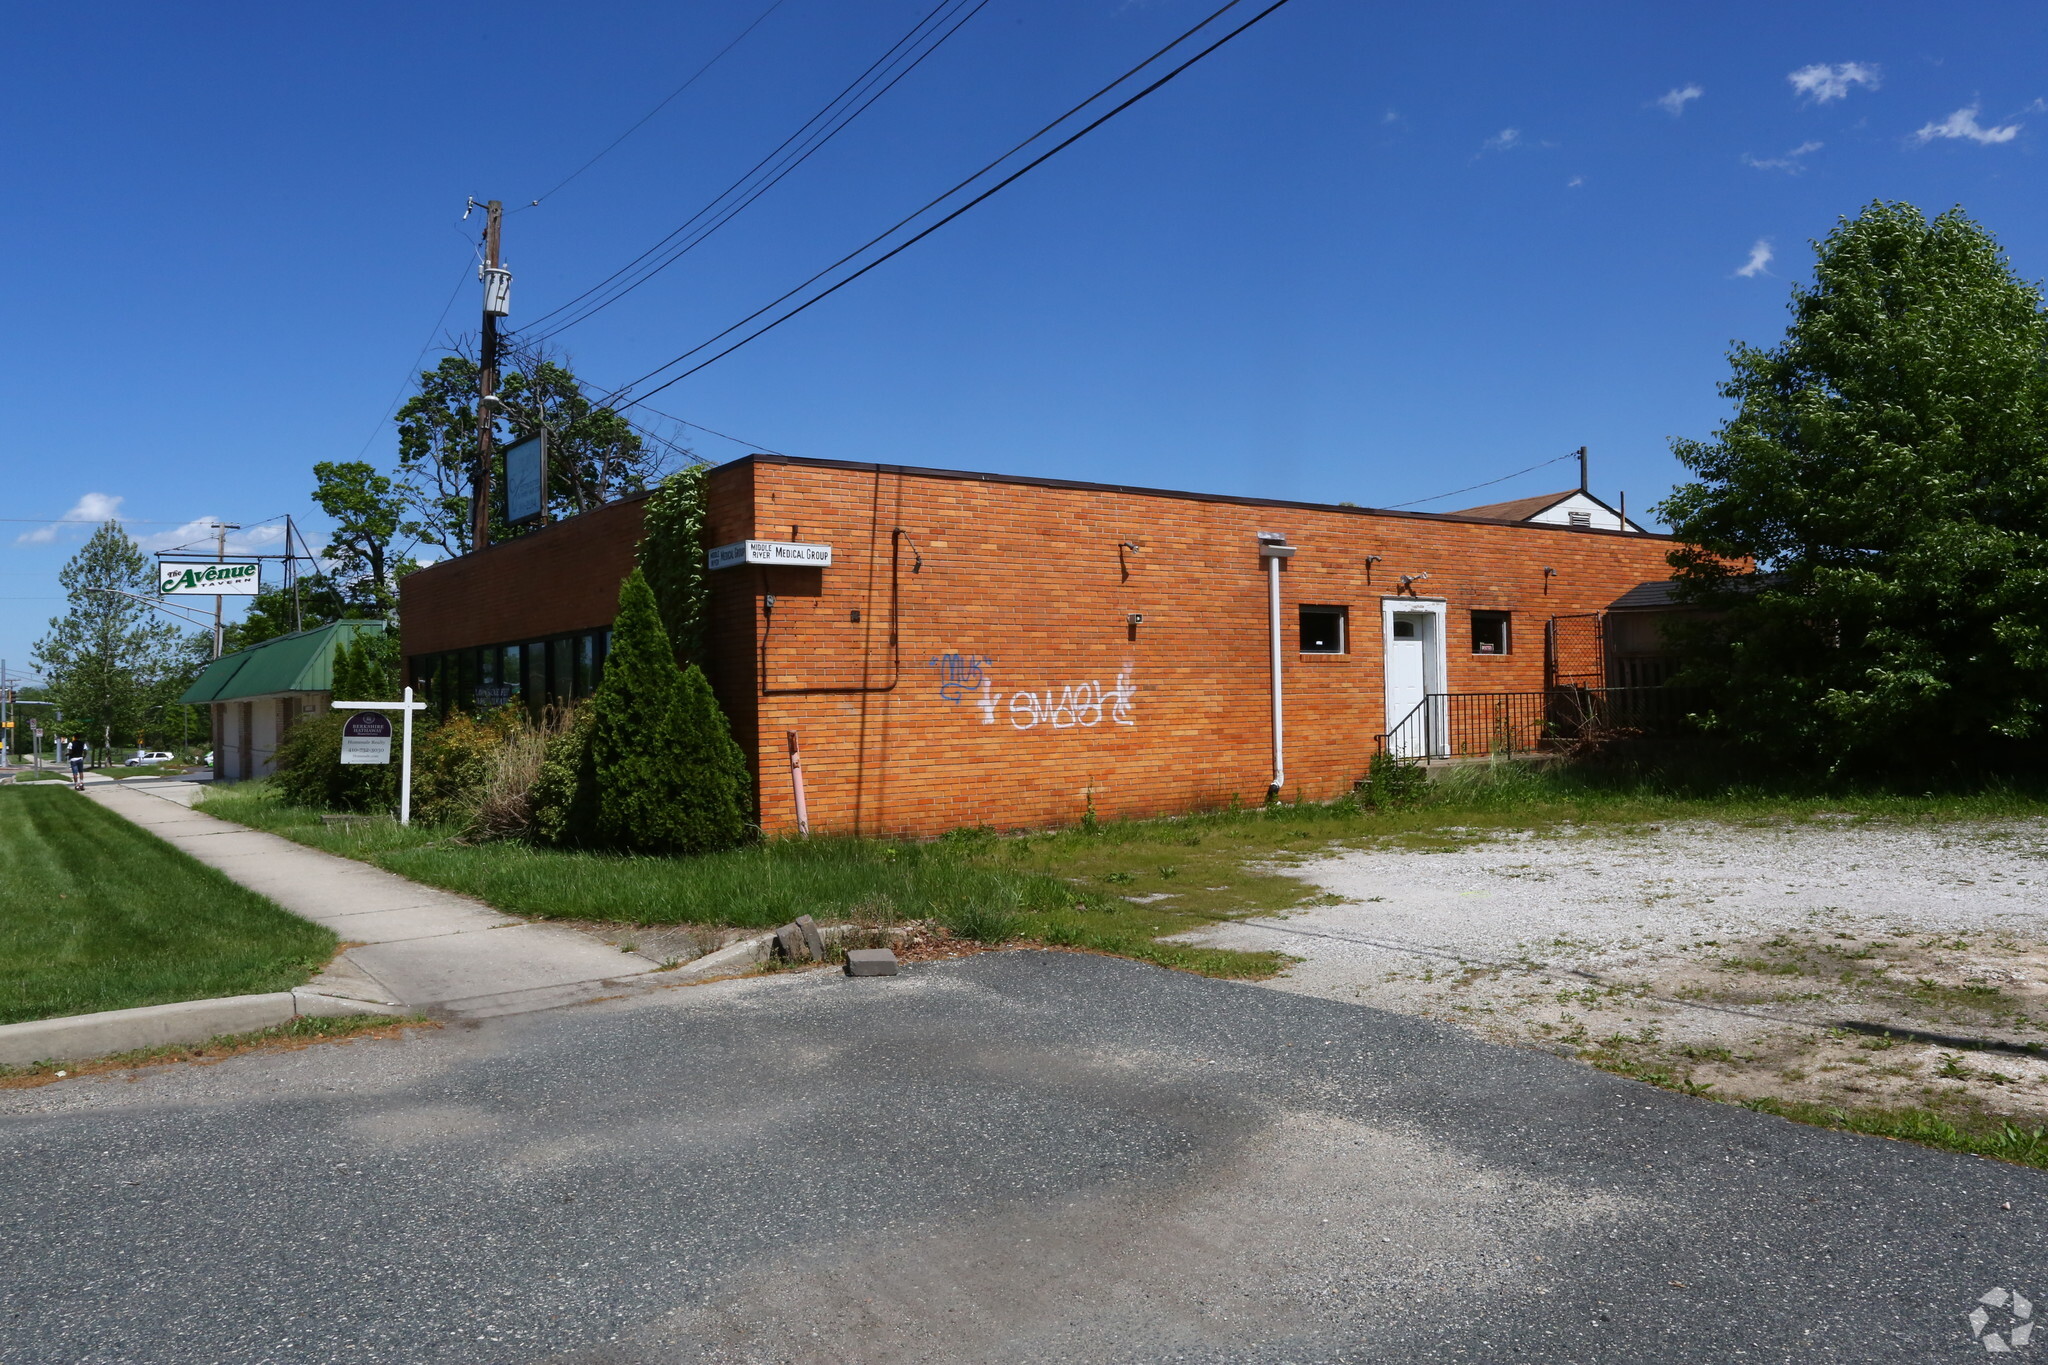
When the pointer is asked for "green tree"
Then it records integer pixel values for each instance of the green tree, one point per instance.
(272, 612)
(595, 455)
(369, 516)
(366, 667)
(655, 768)
(671, 554)
(1885, 478)
(110, 661)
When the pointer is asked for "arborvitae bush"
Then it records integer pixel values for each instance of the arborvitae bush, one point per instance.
(366, 667)
(651, 766)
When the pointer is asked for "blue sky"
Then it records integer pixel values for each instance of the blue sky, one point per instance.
(1365, 252)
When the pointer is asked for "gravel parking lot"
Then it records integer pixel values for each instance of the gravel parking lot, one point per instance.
(1766, 958)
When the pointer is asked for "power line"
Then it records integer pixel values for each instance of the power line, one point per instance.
(412, 370)
(1000, 185)
(775, 166)
(1488, 484)
(609, 146)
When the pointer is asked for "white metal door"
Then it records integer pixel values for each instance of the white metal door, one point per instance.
(1407, 681)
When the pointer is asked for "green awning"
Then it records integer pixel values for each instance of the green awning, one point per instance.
(300, 662)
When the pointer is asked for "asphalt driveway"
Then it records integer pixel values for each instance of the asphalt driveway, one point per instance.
(1015, 1157)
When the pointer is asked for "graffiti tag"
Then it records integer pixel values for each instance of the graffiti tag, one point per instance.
(960, 674)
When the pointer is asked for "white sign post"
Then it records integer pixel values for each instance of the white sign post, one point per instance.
(408, 706)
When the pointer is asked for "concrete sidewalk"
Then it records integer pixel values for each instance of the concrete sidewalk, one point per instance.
(414, 946)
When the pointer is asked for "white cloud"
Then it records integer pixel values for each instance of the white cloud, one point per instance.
(1963, 124)
(1822, 83)
(1790, 163)
(1391, 116)
(1674, 100)
(196, 535)
(93, 507)
(1507, 139)
(1575, 182)
(1759, 258)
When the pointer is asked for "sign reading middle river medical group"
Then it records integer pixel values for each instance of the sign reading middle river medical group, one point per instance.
(227, 580)
(790, 553)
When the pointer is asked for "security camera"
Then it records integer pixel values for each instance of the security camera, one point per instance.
(1136, 618)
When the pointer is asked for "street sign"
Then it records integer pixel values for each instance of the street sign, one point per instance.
(225, 580)
(790, 553)
(366, 738)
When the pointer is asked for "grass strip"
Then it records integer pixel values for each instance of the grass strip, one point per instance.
(305, 1031)
(1976, 1136)
(99, 914)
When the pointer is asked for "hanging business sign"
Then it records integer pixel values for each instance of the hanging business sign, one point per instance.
(366, 738)
(789, 553)
(226, 580)
(526, 464)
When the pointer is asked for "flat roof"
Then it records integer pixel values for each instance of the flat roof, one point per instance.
(970, 476)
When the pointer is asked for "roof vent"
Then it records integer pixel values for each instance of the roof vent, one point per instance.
(1579, 518)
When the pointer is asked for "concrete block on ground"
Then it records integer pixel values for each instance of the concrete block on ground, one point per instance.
(813, 940)
(870, 962)
(791, 945)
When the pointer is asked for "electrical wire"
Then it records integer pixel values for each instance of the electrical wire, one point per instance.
(1008, 180)
(670, 98)
(1573, 455)
(775, 166)
(412, 370)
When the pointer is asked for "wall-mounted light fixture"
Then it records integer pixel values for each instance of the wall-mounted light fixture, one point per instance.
(1370, 560)
(1136, 618)
(1548, 574)
(1408, 582)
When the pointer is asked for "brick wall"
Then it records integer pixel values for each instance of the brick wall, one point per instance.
(558, 579)
(967, 658)
(1051, 699)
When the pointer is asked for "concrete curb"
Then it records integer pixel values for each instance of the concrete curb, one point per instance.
(76, 1037)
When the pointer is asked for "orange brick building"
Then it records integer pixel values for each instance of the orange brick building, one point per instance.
(1007, 651)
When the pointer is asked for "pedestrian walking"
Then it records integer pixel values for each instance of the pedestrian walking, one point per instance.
(75, 750)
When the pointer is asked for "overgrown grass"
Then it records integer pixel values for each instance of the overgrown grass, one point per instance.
(1077, 887)
(990, 899)
(99, 914)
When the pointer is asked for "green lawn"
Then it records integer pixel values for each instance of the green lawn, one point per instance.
(98, 914)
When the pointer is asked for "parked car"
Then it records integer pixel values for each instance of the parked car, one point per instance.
(144, 757)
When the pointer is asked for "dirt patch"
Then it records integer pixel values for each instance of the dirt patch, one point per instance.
(1824, 961)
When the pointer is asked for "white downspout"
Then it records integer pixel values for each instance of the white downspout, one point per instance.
(1273, 548)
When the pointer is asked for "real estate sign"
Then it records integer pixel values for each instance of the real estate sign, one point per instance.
(366, 738)
(790, 553)
(226, 580)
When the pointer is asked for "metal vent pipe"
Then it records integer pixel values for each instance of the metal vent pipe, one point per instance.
(1273, 548)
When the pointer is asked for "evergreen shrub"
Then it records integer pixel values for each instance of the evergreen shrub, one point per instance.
(650, 765)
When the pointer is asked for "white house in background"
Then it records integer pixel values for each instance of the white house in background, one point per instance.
(1574, 507)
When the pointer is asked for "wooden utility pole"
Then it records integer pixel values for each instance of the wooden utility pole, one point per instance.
(496, 281)
(220, 555)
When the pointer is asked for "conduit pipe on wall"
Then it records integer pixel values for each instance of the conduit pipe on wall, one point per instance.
(1273, 548)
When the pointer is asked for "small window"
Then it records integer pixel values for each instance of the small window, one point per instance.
(1404, 628)
(1322, 630)
(1579, 518)
(1490, 632)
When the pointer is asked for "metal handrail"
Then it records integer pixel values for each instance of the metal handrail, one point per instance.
(1479, 724)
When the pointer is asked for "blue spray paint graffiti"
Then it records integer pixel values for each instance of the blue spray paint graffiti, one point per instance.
(960, 674)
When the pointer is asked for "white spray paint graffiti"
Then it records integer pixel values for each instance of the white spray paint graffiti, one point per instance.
(1070, 706)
